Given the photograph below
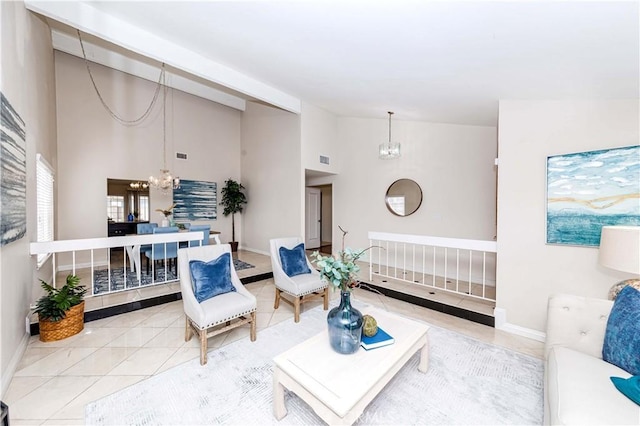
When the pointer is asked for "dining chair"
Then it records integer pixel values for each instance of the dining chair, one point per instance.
(145, 228)
(205, 229)
(162, 251)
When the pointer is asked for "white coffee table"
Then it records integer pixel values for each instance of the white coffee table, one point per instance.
(339, 387)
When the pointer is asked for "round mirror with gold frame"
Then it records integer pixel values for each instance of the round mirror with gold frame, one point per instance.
(403, 197)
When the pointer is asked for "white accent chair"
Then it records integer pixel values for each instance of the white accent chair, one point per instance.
(301, 288)
(232, 309)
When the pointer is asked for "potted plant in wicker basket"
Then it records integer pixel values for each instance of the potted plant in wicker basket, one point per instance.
(61, 310)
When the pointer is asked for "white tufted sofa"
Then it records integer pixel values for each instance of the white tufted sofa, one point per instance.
(577, 388)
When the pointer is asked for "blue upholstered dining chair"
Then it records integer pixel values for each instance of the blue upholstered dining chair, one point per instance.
(194, 243)
(163, 251)
(205, 235)
(145, 228)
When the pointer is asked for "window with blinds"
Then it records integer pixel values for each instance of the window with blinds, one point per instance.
(44, 196)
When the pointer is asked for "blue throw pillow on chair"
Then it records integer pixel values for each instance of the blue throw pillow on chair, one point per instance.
(622, 336)
(294, 261)
(211, 278)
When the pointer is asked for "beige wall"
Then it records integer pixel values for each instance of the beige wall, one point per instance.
(529, 271)
(28, 82)
(273, 175)
(319, 136)
(93, 146)
(453, 164)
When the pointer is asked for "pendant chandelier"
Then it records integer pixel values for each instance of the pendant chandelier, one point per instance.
(390, 150)
(138, 186)
(166, 181)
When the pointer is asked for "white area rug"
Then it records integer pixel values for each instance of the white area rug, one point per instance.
(468, 382)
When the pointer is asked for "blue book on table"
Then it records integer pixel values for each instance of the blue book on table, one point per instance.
(381, 338)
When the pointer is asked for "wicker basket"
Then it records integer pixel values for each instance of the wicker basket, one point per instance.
(72, 323)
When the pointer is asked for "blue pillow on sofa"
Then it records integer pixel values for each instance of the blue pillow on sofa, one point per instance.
(622, 336)
(294, 261)
(629, 387)
(211, 278)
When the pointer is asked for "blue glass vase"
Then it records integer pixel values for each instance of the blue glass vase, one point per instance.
(345, 326)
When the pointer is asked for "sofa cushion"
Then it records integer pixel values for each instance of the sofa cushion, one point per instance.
(622, 337)
(211, 278)
(579, 391)
(294, 261)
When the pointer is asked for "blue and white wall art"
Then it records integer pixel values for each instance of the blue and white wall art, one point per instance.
(13, 174)
(588, 190)
(195, 200)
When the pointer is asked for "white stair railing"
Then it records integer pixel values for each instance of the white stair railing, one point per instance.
(93, 255)
(466, 267)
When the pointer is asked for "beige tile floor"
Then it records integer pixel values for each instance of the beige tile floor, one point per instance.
(55, 380)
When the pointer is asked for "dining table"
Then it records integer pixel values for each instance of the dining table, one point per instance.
(133, 251)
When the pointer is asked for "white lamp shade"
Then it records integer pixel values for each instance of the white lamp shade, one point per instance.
(620, 248)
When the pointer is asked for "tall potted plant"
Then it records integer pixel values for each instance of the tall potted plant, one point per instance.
(61, 310)
(232, 200)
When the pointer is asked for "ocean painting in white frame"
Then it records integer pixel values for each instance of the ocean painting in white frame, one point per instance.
(13, 174)
(589, 190)
(195, 200)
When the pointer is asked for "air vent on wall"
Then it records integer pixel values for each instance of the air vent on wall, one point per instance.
(181, 155)
(324, 159)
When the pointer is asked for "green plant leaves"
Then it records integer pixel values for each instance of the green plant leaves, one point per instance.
(341, 272)
(57, 301)
(232, 197)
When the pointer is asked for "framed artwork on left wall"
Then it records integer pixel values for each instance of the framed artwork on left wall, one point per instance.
(13, 174)
(589, 190)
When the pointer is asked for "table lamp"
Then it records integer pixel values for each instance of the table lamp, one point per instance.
(620, 250)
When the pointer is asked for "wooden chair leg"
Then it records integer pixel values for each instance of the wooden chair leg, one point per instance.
(276, 304)
(203, 347)
(188, 333)
(253, 326)
(296, 306)
(326, 298)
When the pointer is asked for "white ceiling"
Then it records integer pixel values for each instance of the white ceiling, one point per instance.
(440, 61)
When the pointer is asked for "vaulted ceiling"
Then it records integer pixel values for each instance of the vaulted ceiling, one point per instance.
(440, 61)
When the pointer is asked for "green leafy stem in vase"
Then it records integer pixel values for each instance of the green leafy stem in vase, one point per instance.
(341, 271)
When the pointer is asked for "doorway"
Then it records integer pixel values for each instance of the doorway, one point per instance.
(319, 218)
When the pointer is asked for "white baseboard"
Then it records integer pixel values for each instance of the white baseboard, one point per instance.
(264, 253)
(501, 324)
(7, 375)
